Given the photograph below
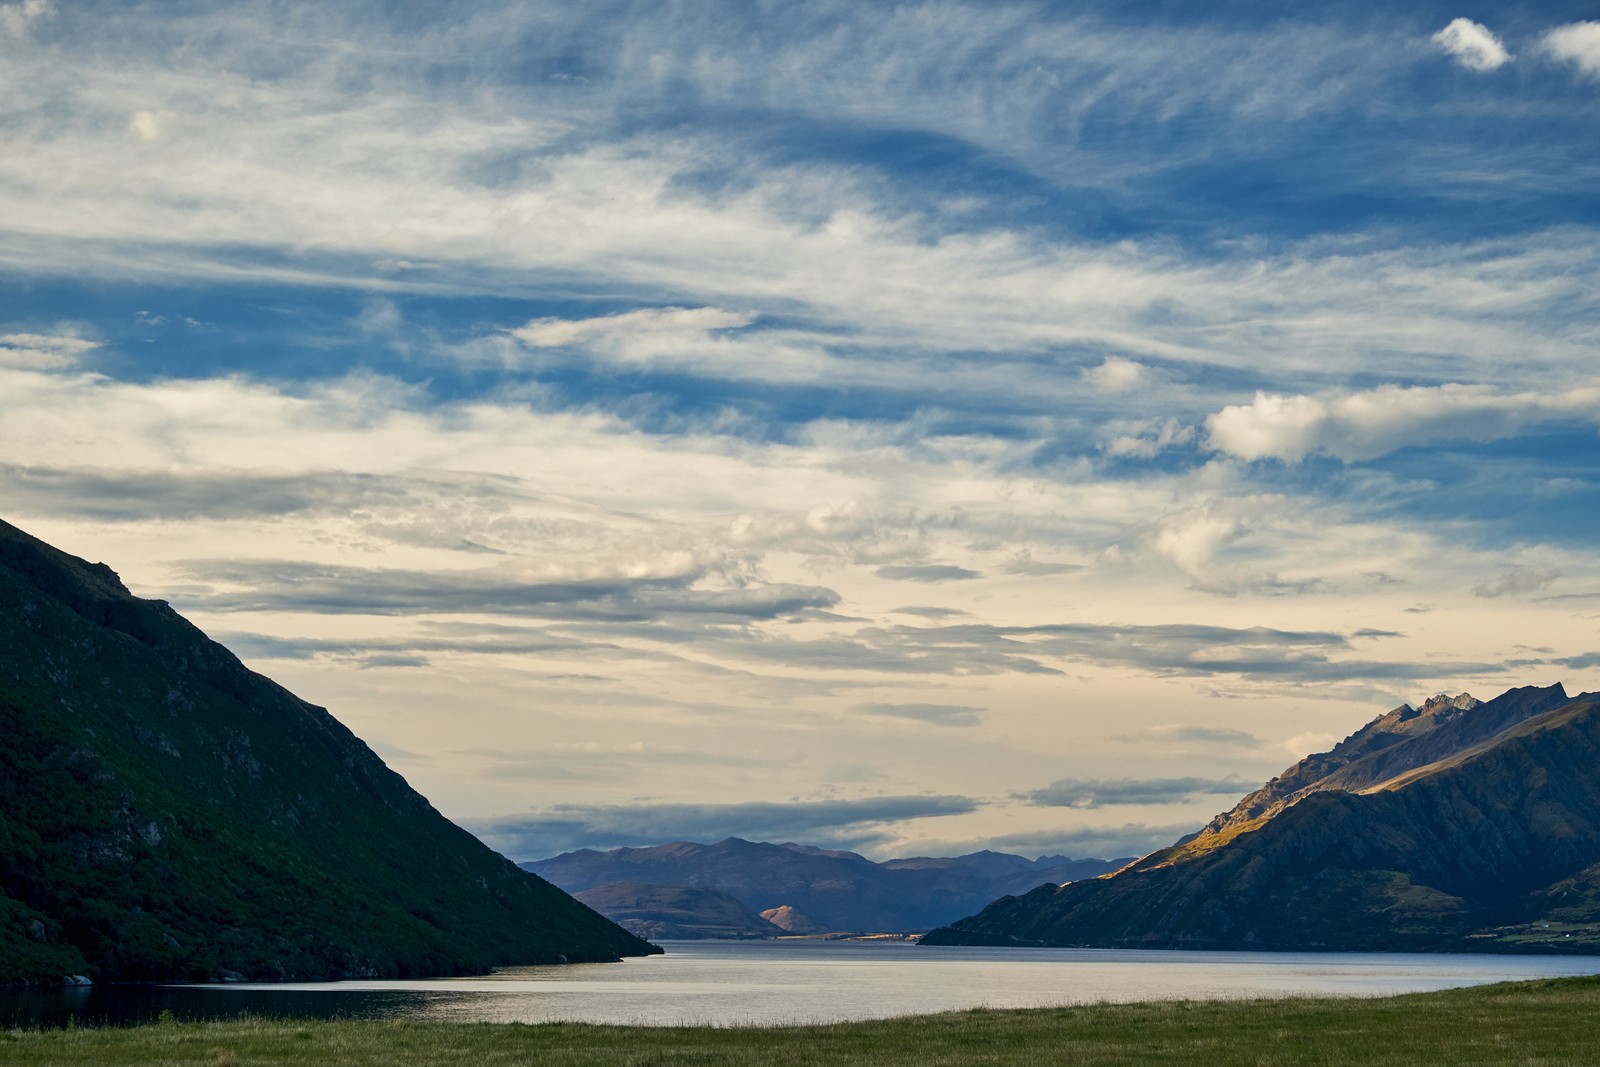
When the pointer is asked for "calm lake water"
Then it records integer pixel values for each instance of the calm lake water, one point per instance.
(776, 982)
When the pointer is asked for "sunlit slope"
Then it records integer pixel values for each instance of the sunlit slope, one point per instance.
(167, 813)
(1477, 849)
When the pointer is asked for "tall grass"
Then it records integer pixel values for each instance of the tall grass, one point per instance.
(1545, 1023)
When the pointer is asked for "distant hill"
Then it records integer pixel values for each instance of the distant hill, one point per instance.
(1455, 826)
(830, 890)
(165, 813)
(671, 912)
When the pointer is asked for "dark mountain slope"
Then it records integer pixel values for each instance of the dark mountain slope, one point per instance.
(839, 891)
(1447, 855)
(166, 813)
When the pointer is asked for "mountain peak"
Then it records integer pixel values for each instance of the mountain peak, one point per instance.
(1462, 828)
(1445, 702)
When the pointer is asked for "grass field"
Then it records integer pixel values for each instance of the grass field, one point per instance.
(1543, 1023)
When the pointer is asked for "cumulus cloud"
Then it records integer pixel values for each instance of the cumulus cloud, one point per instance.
(1117, 375)
(36, 351)
(1472, 44)
(1577, 43)
(1102, 792)
(1364, 425)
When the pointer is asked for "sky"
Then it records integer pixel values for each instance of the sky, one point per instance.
(909, 428)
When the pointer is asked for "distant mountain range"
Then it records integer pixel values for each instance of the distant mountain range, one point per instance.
(167, 814)
(798, 888)
(1457, 826)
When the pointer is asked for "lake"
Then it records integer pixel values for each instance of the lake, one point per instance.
(774, 982)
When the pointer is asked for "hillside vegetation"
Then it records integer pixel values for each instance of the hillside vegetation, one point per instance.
(166, 813)
(1473, 828)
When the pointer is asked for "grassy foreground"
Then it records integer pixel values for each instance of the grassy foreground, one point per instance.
(1541, 1023)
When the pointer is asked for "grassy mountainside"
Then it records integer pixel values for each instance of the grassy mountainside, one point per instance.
(1488, 847)
(166, 813)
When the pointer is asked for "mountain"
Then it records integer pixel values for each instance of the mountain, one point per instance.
(166, 813)
(829, 890)
(1455, 826)
(661, 912)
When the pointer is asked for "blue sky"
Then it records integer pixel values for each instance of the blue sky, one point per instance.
(914, 428)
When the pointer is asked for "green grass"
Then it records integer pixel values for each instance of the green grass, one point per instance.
(1538, 1024)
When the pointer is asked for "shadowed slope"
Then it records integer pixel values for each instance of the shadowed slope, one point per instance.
(1456, 853)
(166, 813)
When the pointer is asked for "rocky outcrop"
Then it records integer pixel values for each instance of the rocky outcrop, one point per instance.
(791, 921)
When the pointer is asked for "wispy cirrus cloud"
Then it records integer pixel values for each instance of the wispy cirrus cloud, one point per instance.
(34, 351)
(610, 375)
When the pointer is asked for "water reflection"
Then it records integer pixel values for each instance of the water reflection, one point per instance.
(726, 983)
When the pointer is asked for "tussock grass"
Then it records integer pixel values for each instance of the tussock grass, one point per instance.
(1536, 1024)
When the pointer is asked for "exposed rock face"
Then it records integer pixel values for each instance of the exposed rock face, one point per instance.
(792, 922)
(839, 891)
(166, 813)
(1447, 828)
(1401, 740)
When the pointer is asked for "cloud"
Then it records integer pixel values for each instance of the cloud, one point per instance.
(414, 650)
(937, 714)
(834, 822)
(1516, 582)
(294, 586)
(1117, 375)
(1577, 43)
(1261, 654)
(141, 493)
(1203, 735)
(1024, 563)
(1472, 45)
(694, 322)
(928, 611)
(18, 19)
(1148, 438)
(1092, 793)
(34, 351)
(927, 572)
(1108, 842)
(1355, 426)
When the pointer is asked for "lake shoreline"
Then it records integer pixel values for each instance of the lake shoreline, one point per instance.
(1554, 1021)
